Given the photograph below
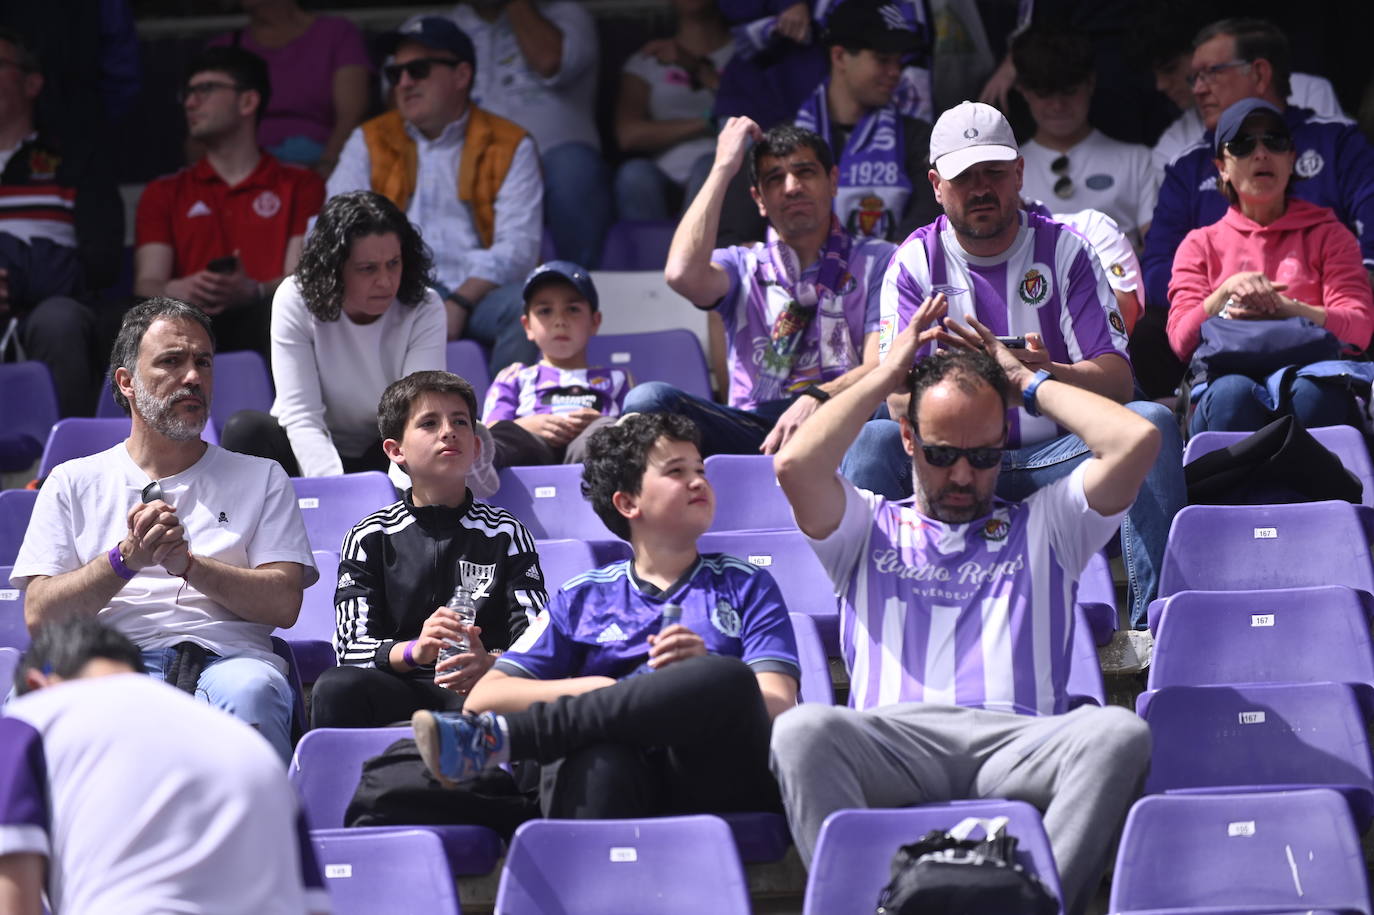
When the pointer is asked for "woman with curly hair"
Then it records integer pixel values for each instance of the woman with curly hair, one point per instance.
(356, 315)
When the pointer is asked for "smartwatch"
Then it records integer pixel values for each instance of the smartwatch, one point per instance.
(815, 391)
(1028, 395)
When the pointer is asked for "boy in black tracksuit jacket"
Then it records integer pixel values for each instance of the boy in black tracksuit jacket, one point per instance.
(400, 565)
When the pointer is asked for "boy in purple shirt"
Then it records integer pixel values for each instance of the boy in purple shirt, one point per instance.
(545, 413)
(643, 715)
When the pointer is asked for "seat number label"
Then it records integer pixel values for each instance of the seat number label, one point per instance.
(760, 559)
(545, 492)
(310, 502)
(619, 358)
(1261, 619)
(1242, 828)
(335, 871)
(1266, 533)
(9, 594)
(1252, 717)
(623, 854)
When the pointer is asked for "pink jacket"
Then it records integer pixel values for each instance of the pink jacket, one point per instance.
(1306, 247)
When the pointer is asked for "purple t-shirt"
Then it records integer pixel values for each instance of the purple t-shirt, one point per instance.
(749, 314)
(302, 75)
(600, 622)
(528, 390)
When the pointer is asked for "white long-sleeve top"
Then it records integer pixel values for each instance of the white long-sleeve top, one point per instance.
(331, 374)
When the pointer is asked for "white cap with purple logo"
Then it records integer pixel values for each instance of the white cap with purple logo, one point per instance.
(969, 133)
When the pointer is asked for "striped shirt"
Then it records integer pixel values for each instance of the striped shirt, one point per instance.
(527, 390)
(977, 614)
(1048, 282)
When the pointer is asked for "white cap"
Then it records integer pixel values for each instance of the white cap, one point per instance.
(967, 134)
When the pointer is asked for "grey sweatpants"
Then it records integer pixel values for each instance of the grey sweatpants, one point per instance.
(1082, 770)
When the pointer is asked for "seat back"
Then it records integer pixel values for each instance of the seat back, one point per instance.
(637, 244)
(79, 436)
(16, 507)
(466, 359)
(1097, 598)
(1263, 851)
(331, 506)
(855, 847)
(659, 866)
(1085, 686)
(748, 497)
(815, 669)
(671, 356)
(242, 382)
(370, 871)
(549, 501)
(13, 632)
(1345, 442)
(9, 663)
(27, 412)
(328, 764)
(312, 637)
(561, 560)
(1262, 547)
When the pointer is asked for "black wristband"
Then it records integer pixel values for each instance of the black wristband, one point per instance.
(462, 302)
(817, 392)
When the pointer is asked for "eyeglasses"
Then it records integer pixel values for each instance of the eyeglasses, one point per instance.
(945, 456)
(1208, 74)
(418, 68)
(199, 91)
(1063, 188)
(1244, 144)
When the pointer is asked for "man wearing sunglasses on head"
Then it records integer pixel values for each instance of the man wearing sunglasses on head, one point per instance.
(468, 179)
(956, 607)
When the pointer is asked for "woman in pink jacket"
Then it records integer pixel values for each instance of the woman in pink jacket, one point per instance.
(1271, 256)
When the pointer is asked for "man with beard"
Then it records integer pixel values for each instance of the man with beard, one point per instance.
(194, 553)
(1020, 274)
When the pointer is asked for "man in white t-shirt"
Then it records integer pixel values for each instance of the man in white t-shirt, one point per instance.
(956, 607)
(1070, 164)
(193, 552)
(121, 794)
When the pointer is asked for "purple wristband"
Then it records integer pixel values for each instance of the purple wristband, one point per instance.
(117, 563)
(407, 654)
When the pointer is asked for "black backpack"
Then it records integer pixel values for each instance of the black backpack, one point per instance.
(945, 872)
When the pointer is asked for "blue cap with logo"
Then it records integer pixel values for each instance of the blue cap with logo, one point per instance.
(564, 271)
(438, 33)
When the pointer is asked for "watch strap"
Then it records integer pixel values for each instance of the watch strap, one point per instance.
(1028, 395)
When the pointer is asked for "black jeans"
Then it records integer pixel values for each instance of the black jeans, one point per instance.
(365, 697)
(259, 434)
(690, 738)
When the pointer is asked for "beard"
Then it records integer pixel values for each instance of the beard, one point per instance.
(964, 227)
(159, 412)
(932, 504)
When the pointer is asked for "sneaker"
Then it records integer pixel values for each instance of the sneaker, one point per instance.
(457, 745)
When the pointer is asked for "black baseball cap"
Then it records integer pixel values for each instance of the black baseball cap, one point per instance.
(871, 24)
(565, 272)
(437, 32)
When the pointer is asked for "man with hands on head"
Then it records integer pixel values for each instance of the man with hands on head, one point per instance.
(194, 553)
(800, 308)
(956, 607)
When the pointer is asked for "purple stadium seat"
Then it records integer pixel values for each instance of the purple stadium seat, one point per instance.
(561, 560)
(299, 723)
(662, 866)
(636, 244)
(332, 505)
(748, 497)
(242, 382)
(312, 638)
(549, 501)
(1345, 442)
(1230, 853)
(815, 669)
(13, 632)
(1263, 547)
(466, 359)
(853, 851)
(671, 356)
(789, 559)
(9, 663)
(1261, 737)
(759, 837)
(1097, 598)
(1297, 635)
(27, 411)
(325, 771)
(368, 872)
(16, 505)
(79, 436)
(1085, 685)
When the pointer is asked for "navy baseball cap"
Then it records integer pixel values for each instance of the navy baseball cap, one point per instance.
(564, 271)
(1231, 120)
(871, 24)
(436, 32)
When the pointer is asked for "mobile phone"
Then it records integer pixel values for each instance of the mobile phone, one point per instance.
(227, 264)
(1012, 342)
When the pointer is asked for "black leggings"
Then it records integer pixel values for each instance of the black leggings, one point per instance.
(690, 738)
(365, 697)
(259, 434)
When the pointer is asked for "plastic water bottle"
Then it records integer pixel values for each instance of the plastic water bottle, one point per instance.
(462, 604)
(672, 615)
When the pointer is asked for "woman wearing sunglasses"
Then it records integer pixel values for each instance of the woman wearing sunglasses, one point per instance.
(1272, 256)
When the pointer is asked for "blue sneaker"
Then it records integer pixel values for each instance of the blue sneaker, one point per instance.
(457, 745)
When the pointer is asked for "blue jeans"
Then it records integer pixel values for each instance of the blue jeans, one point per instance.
(1232, 404)
(496, 322)
(250, 689)
(724, 430)
(877, 461)
(577, 202)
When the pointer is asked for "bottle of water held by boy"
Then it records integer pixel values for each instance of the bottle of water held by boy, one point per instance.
(672, 615)
(462, 604)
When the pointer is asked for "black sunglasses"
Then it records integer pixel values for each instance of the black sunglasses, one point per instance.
(1244, 144)
(418, 68)
(1063, 188)
(945, 456)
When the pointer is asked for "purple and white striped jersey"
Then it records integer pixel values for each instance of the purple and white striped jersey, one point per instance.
(977, 614)
(1048, 282)
(527, 390)
(749, 314)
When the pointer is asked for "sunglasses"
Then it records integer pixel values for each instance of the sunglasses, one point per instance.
(418, 69)
(946, 455)
(1063, 188)
(1244, 144)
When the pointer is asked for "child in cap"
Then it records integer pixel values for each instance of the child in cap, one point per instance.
(544, 413)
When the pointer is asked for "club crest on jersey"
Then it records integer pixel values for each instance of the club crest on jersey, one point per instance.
(1114, 318)
(1035, 286)
(726, 619)
(476, 577)
(1118, 270)
(995, 530)
(870, 216)
(1309, 163)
